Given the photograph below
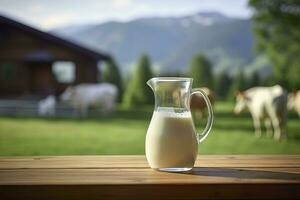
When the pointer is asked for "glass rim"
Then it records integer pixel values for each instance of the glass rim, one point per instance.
(171, 79)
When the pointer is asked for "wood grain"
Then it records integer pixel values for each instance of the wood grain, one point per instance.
(80, 162)
(119, 177)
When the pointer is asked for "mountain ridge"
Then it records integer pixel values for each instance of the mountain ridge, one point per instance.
(170, 41)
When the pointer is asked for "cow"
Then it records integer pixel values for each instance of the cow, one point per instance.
(197, 102)
(47, 106)
(265, 103)
(294, 102)
(83, 96)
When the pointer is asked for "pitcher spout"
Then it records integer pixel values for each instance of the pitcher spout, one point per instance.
(171, 91)
(150, 83)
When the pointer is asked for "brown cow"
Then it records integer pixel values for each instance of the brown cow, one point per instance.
(197, 102)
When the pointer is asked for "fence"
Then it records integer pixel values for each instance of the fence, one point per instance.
(12, 107)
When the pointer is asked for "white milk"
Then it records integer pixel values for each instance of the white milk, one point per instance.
(171, 140)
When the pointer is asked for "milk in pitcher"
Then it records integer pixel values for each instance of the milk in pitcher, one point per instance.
(171, 140)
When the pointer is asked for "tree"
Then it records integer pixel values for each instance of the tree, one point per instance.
(200, 71)
(239, 83)
(277, 31)
(294, 73)
(172, 74)
(222, 85)
(137, 91)
(111, 74)
(254, 80)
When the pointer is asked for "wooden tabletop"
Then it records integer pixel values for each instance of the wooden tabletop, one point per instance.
(123, 177)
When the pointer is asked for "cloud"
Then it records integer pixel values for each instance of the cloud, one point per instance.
(122, 3)
(57, 20)
(47, 14)
(37, 8)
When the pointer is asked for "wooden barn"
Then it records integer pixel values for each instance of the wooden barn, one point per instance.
(34, 63)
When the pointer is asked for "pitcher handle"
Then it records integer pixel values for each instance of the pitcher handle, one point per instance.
(210, 118)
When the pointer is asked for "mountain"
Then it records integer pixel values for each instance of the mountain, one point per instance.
(170, 41)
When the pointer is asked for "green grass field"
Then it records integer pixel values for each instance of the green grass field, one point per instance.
(124, 133)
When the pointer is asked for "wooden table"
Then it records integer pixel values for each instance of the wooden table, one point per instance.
(123, 177)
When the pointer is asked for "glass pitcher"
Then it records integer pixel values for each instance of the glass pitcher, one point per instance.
(171, 140)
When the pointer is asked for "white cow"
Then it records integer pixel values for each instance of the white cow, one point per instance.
(268, 103)
(46, 107)
(294, 102)
(85, 95)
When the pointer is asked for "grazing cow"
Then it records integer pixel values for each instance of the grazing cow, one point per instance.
(85, 95)
(268, 103)
(46, 107)
(198, 103)
(294, 102)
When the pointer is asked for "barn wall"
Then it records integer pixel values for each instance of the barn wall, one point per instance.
(13, 78)
(18, 45)
(86, 71)
(19, 48)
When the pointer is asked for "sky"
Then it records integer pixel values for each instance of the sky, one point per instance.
(48, 14)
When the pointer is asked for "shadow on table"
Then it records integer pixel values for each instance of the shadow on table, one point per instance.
(242, 173)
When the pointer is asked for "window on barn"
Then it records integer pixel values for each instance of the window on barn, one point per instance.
(64, 71)
(7, 71)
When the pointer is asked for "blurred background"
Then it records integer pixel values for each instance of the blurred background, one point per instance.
(73, 75)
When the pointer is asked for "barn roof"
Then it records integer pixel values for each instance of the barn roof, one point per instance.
(54, 39)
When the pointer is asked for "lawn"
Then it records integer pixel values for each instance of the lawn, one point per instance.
(124, 133)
